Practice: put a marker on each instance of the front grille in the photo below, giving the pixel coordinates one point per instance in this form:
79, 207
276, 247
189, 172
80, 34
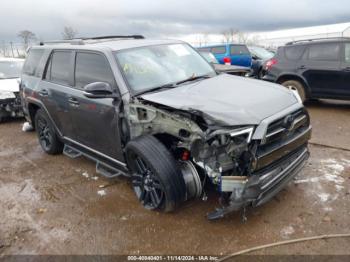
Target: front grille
283, 136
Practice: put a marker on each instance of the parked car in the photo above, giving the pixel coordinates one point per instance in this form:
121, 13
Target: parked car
228, 69
259, 56
232, 54
318, 68
157, 112
10, 102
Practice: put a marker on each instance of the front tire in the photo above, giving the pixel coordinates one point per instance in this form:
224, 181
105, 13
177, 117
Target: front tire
156, 179
297, 86
47, 136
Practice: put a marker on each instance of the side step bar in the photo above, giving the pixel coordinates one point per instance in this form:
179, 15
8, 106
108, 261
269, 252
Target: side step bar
101, 168
71, 152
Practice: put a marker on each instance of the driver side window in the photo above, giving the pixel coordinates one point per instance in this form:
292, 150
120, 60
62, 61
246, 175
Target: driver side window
90, 68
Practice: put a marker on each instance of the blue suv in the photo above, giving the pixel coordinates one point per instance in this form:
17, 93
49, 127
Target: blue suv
234, 54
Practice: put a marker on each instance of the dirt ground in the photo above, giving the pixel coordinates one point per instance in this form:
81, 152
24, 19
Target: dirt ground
56, 205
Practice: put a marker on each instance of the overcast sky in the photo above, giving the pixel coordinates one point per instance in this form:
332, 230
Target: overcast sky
161, 18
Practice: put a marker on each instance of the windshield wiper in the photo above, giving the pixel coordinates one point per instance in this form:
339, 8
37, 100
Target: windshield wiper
192, 78
156, 88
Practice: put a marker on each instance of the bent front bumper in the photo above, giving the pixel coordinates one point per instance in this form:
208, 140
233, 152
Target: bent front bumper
260, 187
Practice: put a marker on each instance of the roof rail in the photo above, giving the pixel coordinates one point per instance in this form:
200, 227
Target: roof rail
318, 39
81, 41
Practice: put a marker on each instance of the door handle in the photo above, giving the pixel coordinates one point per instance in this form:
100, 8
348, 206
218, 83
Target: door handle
346, 69
43, 92
302, 67
73, 101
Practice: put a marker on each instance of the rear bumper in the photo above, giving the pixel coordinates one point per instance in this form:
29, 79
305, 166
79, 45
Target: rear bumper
260, 187
269, 78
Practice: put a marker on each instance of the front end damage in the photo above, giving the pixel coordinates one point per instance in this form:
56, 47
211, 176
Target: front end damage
10, 105
245, 165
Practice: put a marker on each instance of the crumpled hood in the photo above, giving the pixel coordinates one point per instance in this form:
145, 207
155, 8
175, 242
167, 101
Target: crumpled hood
230, 100
9, 85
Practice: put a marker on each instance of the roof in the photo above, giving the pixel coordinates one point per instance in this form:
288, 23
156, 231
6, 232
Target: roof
113, 45
11, 59
320, 40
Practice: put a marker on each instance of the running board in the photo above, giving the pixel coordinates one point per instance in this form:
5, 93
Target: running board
71, 152
108, 171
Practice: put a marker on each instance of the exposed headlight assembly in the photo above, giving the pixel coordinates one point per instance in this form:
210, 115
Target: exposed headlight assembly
7, 95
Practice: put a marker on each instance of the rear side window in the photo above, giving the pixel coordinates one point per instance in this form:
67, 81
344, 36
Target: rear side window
347, 53
58, 70
31, 65
324, 52
218, 50
204, 49
92, 68
294, 52
239, 50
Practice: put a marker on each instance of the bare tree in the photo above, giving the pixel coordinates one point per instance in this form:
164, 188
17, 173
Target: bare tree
69, 33
229, 35
27, 36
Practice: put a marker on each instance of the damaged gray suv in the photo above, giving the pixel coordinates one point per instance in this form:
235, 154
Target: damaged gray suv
157, 112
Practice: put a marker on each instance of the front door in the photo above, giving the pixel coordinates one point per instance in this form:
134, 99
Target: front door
95, 121
345, 86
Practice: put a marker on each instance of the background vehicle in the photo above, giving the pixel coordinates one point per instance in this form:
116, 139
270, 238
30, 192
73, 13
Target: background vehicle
229, 69
233, 54
318, 68
10, 103
156, 111
259, 56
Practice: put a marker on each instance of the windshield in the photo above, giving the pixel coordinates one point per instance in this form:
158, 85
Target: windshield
146, 68
10, 69
261, 52
209, 57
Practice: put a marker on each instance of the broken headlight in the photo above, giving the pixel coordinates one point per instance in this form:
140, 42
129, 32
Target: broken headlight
224, 152
7, 95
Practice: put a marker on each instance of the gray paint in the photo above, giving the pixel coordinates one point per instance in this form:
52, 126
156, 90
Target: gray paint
232, 100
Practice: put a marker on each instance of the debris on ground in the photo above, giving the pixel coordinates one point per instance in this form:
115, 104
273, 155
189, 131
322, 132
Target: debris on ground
85, 174
27, 127
101, 192
41, 210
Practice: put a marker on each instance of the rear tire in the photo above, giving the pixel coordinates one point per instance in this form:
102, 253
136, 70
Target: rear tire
156, 178
47, 136
296, 85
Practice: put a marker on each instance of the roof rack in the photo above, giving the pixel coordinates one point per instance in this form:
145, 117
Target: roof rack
318, 39
82, 40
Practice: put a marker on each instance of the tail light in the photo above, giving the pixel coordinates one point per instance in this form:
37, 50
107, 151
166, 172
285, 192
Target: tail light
269, 64
227, 60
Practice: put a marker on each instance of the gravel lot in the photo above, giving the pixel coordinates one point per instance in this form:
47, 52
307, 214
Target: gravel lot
56, 205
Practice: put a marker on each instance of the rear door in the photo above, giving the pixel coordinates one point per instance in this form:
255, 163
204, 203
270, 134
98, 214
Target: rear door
345, 86
219, 52
320, 66
95, 121
55, 88
240, 55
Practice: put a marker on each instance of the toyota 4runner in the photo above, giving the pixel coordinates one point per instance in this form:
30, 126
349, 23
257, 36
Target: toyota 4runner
157, 112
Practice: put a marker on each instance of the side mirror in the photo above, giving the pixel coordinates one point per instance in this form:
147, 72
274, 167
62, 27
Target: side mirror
99, 90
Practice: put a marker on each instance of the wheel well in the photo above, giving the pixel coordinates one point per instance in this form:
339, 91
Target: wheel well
166, 139
284, 78
33, 108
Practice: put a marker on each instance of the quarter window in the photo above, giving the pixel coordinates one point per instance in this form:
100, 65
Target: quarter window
58, 70
218, 50
324, 52
347, 53
294, 52
31, 65
92, 68
239, 50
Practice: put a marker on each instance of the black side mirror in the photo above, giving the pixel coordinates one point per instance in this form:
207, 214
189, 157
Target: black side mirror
99, 90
